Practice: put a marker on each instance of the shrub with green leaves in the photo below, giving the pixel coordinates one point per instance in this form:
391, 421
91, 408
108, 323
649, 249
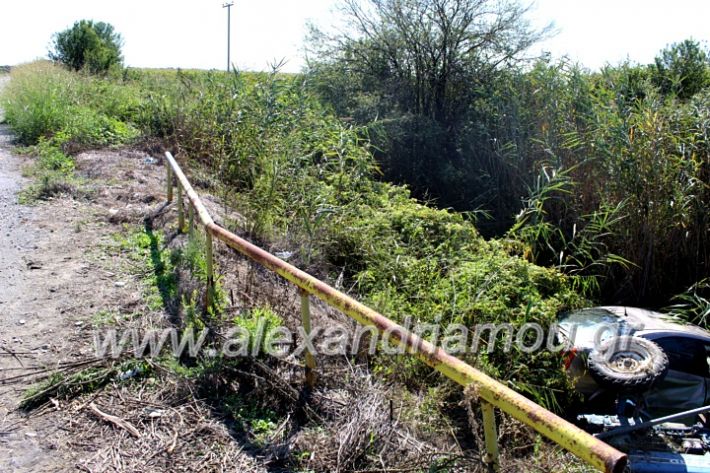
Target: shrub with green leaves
682, 69
308, 181
259, 325
89, 45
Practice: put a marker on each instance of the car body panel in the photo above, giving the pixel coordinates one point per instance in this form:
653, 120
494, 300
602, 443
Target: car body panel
623, 321
677, 391
665, 462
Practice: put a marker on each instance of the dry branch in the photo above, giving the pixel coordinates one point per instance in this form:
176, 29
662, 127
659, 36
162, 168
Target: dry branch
117, 421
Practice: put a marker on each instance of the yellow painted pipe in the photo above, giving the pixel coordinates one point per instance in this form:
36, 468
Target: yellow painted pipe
490, 432
588, 448
202, 213
592, 450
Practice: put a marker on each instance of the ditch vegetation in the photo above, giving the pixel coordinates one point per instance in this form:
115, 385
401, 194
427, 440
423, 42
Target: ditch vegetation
615, 180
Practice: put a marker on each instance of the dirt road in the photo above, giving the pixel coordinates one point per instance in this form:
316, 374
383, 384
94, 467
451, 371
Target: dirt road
28, 323
20, 448
48, 289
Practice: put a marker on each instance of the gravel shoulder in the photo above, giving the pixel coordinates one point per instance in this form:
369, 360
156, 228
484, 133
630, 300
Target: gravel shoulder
33, 324
52, 280
29, 327
55, 276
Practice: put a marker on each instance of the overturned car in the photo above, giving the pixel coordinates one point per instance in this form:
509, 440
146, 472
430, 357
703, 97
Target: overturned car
645, 379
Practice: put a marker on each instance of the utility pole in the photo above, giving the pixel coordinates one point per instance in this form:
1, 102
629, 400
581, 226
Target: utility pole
228, 6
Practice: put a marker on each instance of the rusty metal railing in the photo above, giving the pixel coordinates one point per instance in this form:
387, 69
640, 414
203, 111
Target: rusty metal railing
490, 392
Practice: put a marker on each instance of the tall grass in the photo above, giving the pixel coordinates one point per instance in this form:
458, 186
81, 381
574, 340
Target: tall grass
46, 101
59, 113
615, 177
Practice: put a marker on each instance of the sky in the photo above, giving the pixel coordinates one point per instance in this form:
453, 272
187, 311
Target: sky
193, 33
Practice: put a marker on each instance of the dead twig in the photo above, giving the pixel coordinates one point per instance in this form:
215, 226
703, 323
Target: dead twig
13, 354
117, 421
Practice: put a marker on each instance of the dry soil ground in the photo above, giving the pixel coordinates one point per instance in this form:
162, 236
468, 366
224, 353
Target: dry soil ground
55, 276
52, 280
41, 272
39, 258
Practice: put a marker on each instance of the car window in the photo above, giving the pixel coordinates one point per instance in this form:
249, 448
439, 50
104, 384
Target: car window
685, 354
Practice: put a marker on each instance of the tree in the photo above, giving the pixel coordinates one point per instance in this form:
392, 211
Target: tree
429, 53
90, 45
418, 66
682, 69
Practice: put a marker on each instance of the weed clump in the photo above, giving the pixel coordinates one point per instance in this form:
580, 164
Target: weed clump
57, 113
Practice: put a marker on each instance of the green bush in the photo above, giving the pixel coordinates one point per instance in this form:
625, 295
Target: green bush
260, 324
93, 46
629, 221
682, 69
306, 180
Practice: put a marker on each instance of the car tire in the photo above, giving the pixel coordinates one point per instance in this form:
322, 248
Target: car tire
627, 363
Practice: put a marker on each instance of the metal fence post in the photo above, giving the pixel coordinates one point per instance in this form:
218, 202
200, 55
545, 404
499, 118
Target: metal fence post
191, 219
181, 211
306, 321
210, 267
170, 182
490, 433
